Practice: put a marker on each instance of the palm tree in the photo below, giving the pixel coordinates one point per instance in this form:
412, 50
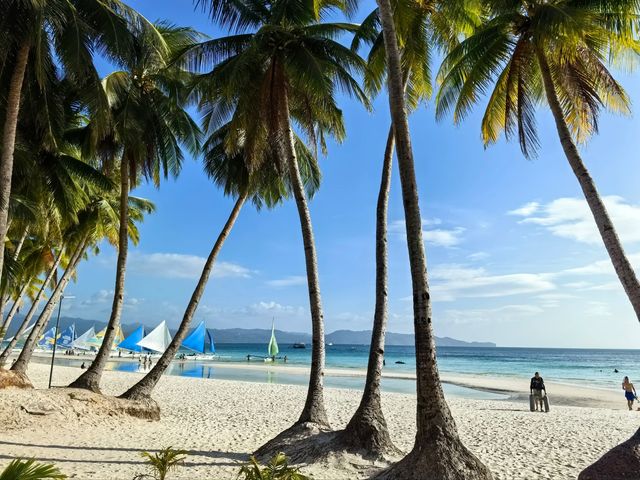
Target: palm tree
36, 32
149, 126
284, 65
437, 448
555, 51
98, 221
264, 186
422, 27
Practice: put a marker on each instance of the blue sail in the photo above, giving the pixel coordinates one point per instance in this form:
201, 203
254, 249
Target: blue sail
212, 347
196, 339
67, 337
46, 340
131, 342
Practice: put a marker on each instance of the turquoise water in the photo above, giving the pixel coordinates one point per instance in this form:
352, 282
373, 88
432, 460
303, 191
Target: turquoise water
589, 367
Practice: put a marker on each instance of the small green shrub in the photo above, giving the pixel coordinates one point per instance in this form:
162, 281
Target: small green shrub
162, 463
277, 469
30, 470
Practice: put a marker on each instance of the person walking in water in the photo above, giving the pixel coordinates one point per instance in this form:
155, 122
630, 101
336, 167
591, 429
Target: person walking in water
537, 387
629, 392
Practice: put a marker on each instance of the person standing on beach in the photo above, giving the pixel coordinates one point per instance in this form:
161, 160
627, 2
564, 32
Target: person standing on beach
536, 387
629, 392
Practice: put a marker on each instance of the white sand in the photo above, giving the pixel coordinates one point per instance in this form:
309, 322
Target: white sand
221, 422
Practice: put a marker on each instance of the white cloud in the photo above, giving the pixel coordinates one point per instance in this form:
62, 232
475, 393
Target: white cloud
176, 265
571, 218
289, 281
457, 281
441, 237
478, 256
600, 267
491, 315
526, 210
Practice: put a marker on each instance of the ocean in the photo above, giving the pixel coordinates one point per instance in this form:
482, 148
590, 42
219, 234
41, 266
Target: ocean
587, 367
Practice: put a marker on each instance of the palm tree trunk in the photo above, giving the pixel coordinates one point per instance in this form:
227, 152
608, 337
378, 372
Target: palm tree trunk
367, 430
27, 351
437, 449
314, 410
145, 386
32, 310
90, 379
9, 140
13, 311
3, 296
619, 259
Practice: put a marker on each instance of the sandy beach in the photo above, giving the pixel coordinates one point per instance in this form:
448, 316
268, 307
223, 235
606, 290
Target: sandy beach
220, 422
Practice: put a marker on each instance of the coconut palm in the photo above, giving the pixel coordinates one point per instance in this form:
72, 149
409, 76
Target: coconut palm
263, 186
557, 51
35, 33
422, 28
283, 66
437, 448
149, 127
98, 221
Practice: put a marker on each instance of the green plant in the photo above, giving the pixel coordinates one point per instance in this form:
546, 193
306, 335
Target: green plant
277, 469
161, 463
30, 470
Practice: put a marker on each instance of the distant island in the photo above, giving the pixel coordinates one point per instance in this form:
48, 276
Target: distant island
261, 335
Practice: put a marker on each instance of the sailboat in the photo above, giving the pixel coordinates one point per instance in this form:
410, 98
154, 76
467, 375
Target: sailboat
97, 339
158, 339
82, 341
197, 340
131, 342
67, 337
46, 340
272, 349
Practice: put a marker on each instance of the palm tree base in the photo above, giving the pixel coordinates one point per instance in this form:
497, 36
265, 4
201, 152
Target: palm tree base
87, 381
9, 379
367, 435
621, 462
302, 443
441, 457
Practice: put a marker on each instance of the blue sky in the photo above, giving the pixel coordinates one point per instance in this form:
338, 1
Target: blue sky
513, 254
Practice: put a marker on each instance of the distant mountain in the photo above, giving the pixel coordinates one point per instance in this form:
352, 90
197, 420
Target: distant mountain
262, 335
363, 337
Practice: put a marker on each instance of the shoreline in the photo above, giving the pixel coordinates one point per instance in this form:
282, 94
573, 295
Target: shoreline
515, 388
220, 422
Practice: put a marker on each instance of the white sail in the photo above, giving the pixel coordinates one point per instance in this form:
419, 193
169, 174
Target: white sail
25, 334
82, 342
158, 339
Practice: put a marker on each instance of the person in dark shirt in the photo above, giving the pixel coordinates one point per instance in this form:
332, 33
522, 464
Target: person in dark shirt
537, 387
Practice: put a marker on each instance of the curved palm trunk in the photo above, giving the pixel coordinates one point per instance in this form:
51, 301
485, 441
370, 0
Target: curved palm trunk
367, 430
13, 310
144, 387
3, 296
314, 410
29, 346
438, 452
90, 379
32, 310
9, 140
620, 262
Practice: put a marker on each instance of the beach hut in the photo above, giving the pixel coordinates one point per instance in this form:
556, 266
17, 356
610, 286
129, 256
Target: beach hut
158, 339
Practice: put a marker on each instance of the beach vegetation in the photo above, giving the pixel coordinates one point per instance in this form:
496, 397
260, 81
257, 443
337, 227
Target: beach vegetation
283, 67
149, 127
276, 469
20, 469
161, 463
